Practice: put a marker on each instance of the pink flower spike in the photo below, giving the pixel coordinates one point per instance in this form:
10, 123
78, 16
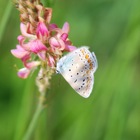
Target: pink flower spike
65, 27
37, 46
42, 30
23, 73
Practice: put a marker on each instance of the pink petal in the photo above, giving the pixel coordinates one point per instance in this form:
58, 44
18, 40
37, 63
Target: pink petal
42, 55
23, 73
21, 39
20, 48
23, 29
62, 44
52, 26
42, 30
25, 58
65, 27
51, 61
57, 43
36, 46
70, 48
32, 64
53, 42
64, 36
19, 52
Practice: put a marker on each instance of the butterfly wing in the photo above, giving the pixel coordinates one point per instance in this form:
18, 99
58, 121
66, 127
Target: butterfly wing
77, 68
95, 62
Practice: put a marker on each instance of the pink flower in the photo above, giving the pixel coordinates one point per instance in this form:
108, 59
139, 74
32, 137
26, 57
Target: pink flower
40, 43
36, 46
57, 43
23, 73
42, 31
60, 39
46, 44
20, 52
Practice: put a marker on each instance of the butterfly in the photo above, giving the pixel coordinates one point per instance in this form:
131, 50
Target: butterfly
78, 68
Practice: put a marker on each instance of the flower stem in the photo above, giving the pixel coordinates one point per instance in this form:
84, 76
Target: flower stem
36, 115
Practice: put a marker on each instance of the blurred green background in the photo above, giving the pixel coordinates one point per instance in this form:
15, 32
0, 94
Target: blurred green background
112, 30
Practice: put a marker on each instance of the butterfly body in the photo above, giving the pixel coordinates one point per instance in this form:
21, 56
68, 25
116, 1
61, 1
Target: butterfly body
78, 68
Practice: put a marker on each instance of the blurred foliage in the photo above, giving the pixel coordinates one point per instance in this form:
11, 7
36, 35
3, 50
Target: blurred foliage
112, 30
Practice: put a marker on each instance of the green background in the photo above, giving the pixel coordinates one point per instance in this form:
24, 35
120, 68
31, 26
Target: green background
112, 30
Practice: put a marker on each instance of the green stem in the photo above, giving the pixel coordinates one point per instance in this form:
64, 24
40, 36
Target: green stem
37, 113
